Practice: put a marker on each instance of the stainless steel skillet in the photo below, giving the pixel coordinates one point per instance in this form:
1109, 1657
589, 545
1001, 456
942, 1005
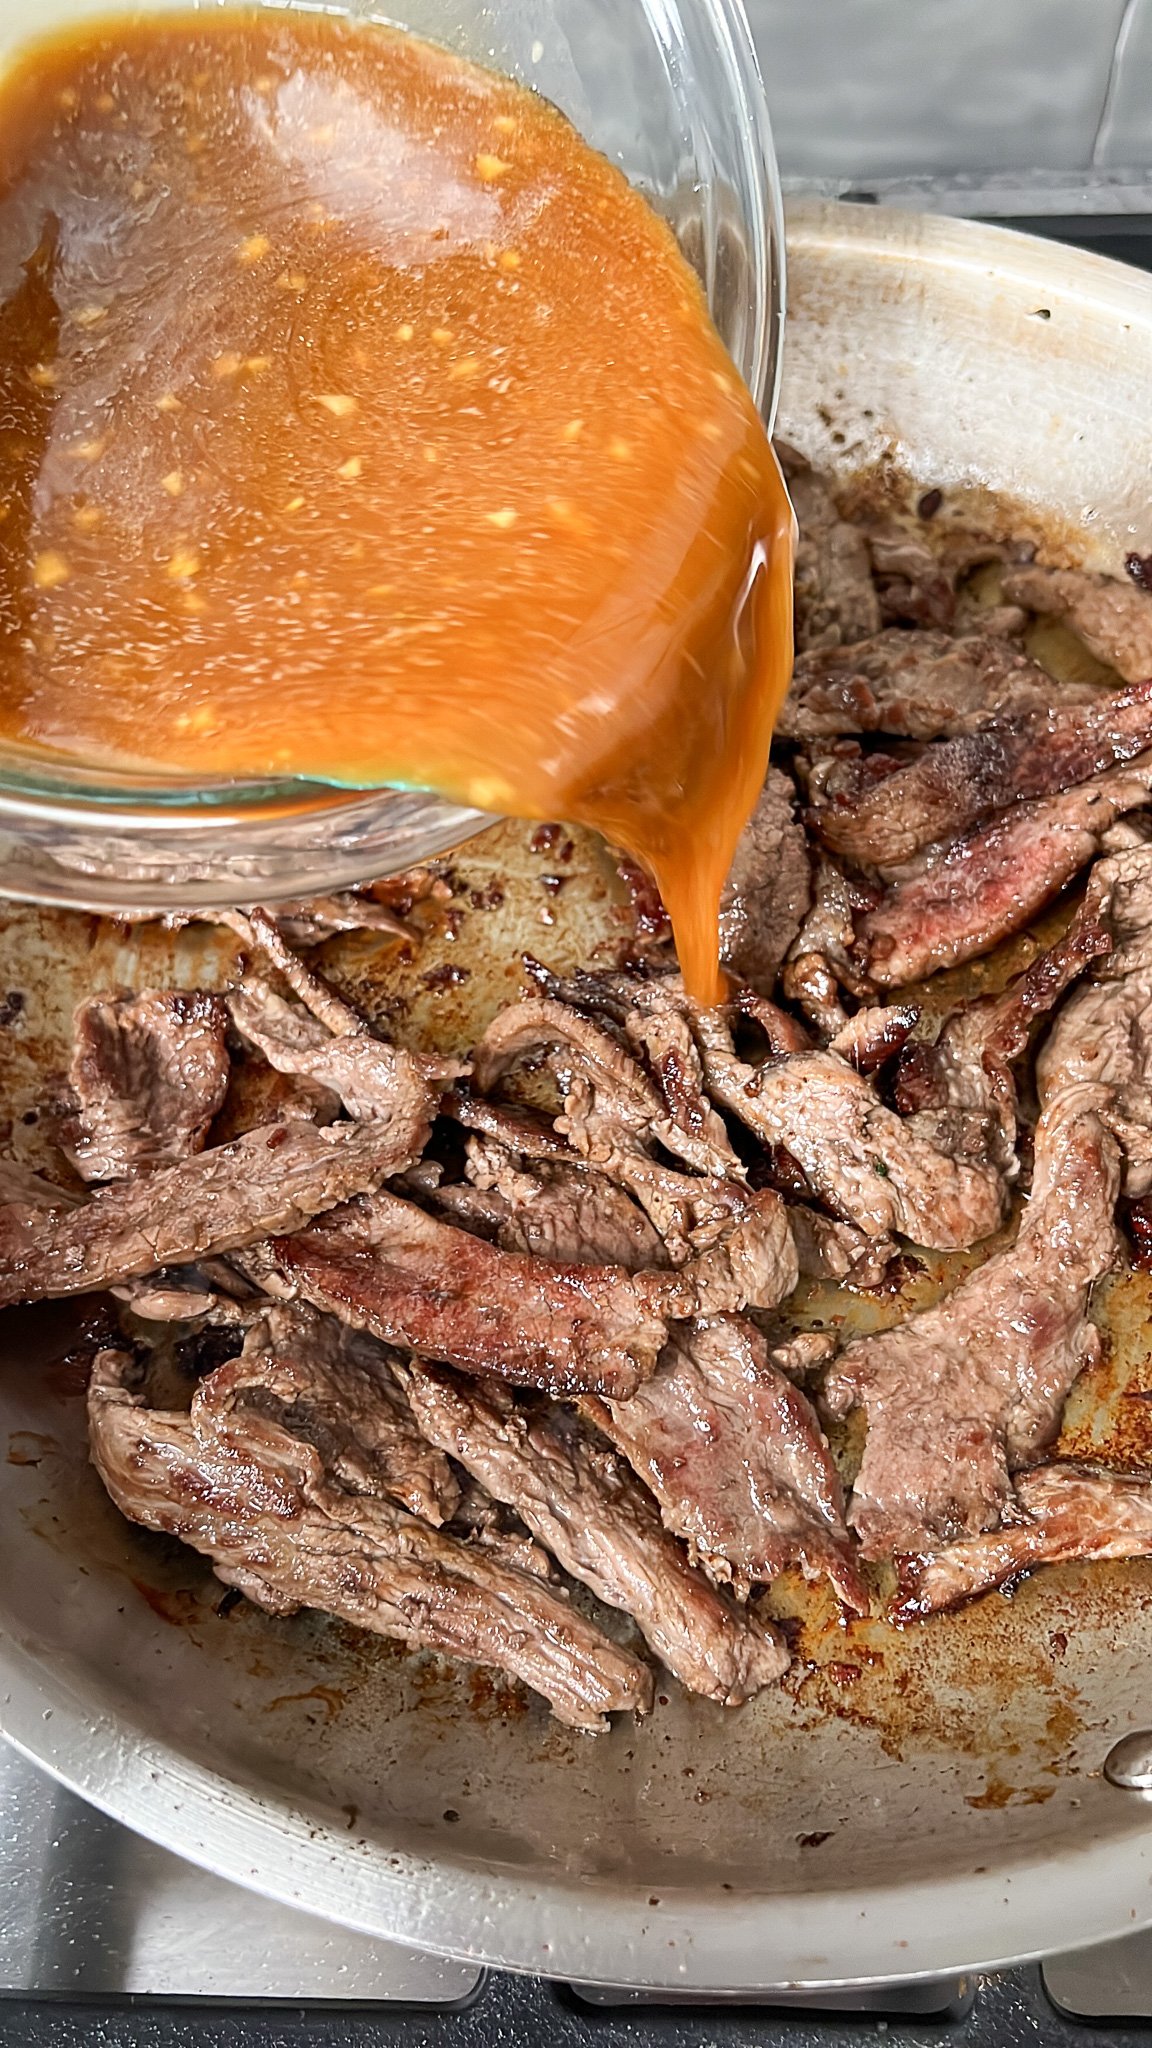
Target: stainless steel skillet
911, 1803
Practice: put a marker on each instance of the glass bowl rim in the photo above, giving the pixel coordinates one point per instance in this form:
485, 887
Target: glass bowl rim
32, 791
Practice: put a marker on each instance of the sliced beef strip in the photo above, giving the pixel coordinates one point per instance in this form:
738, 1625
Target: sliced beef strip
1113, 618
922, 685
336, 1389
661, 1102
148, 1073
346, 910
19, 1184
814, 986
956, 901
829, 1249
1103, 1035
493, 1527
257, 1095
918, 569
657, 1027
960, 1396
769, 888
914, 586
583, 1503
259, 932
955, 784
736, 1458
442, 1293
732, 1247
413, 1281
784, 1032
690, 1214
823, 959
649, 1014
856, 1154
555, 1211
969, 1070
275, 1179
258, 1501
753, 1265
835, 597
372, 1078
542, 1199
524, 1132
875, 1035
1060, 1513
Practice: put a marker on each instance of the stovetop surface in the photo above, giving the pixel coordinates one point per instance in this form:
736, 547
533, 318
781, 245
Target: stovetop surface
109, 1942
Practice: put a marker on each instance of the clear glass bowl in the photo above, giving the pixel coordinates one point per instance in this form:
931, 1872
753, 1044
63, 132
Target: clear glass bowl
670, 90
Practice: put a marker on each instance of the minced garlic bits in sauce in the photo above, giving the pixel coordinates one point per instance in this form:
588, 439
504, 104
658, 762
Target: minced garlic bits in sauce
361, 423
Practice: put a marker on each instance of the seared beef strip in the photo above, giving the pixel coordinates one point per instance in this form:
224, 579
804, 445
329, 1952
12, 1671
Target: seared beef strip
822, 961
579, 1216
690, 1214
658, 1029
372, 1078
493, 1527
346, 910
335, 1388
769, 888
1113, 618
556, 1211
923, 685
965, 1393
874, 1035
918, 578
968, 1072
736, 1458
648, 1013
784, 1032
752, 1265
1103, 1035
258, 1501
18, 1184
149, 1073
273, 1179
582, 1502
828, 1249
913, 584
856, 1153
664, 1104
954, 784
956, 901
815, 987
732, 1248
259, 931
413, 1281
835, 598
1060, 1513
257, 1094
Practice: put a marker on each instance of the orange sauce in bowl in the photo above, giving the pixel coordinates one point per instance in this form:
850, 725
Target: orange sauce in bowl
359, 422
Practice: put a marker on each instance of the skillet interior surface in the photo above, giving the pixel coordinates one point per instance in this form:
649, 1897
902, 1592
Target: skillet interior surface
909, 1801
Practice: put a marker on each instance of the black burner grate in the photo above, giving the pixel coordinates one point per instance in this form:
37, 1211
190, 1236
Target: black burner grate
1009, 2011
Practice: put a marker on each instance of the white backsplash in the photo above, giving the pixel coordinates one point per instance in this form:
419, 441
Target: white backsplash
870, 91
